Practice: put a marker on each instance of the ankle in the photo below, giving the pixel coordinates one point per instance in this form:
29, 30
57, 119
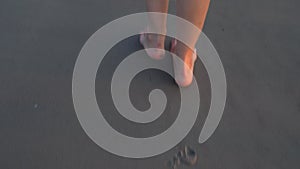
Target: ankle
183, 51
156, 38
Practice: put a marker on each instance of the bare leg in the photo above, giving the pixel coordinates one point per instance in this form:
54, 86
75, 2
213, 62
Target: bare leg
156, 24
195, 12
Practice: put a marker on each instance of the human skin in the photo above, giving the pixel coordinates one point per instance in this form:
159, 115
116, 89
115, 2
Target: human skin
192, 10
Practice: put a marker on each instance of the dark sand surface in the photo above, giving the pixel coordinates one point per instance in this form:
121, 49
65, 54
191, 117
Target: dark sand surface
258, 42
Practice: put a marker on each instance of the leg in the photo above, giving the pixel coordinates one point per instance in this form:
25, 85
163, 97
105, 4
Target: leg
155, 24
195, 12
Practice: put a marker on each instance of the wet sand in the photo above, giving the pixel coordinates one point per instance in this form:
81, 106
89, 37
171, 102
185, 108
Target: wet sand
258, 43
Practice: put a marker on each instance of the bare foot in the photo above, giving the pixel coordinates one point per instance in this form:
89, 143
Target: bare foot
154, 45
183, 69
